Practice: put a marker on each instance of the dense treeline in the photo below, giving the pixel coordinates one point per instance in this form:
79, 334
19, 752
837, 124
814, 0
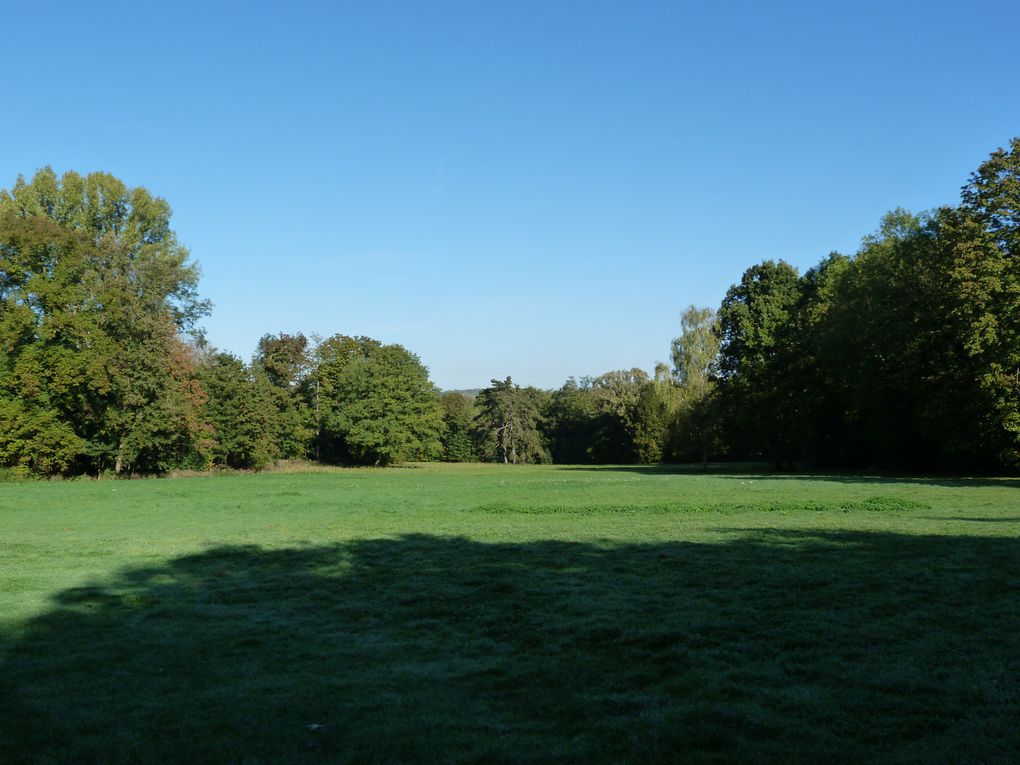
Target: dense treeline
905, 355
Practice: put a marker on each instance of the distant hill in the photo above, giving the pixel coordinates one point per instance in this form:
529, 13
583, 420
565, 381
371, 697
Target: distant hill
469, 392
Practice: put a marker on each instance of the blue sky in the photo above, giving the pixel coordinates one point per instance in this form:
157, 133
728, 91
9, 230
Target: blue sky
533, 189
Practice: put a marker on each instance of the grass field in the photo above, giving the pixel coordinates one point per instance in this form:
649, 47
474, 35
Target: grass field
510, 614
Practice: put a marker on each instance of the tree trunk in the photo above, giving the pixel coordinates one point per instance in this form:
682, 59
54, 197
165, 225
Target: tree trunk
118, 463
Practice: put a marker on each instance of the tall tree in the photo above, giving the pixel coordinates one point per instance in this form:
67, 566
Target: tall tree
50, 363
284, 358
332, 359
95, 294
695, 355
821, 370
986, 283
893, 333
378, 403
755, 329
695, 352
284, 362
508, 421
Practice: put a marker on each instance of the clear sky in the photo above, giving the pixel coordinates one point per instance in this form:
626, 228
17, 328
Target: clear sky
534, 189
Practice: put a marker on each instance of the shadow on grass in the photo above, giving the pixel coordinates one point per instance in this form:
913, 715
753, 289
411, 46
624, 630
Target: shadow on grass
767, 646
974, 519
949, 481
763, 472
713, 468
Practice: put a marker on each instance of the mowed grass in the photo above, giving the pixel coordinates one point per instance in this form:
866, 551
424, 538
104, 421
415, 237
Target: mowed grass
510, 614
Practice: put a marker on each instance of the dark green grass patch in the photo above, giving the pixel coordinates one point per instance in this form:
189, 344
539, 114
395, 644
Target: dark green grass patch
871, 504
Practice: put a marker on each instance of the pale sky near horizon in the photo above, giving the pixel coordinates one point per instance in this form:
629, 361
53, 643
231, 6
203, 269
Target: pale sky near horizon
534, 189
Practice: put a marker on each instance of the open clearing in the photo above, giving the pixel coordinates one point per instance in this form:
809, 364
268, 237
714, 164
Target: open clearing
488, 613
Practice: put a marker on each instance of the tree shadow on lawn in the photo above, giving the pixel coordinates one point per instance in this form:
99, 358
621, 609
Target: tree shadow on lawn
767, 646
1007, 519
685, 468
762, 472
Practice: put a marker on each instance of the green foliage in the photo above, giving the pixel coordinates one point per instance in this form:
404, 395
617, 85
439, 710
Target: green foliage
14, 475
695, 352
284, 358
986, 289
692, 407
619, 417
94, 290
282, 368
907, 355
507, 426
570, 422
891, 345
820, 369
755, 357
241, 408
34, 441
378, 404
655, 414
458, 416
617, 396
294, 432
130, 229
753, 318
153, 423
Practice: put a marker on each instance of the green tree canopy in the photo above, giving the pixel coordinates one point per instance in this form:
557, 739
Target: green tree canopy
508, 422
241, 411
570, 423
378, 404
695, 353
693, 416
754, 353
95, 291
284, 358
458, 416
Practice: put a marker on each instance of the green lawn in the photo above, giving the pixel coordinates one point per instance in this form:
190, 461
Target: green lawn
524, 614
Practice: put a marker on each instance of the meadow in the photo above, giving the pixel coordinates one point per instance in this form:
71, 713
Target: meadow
486, 613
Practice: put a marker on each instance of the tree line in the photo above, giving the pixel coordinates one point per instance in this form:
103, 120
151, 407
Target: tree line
904, 355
